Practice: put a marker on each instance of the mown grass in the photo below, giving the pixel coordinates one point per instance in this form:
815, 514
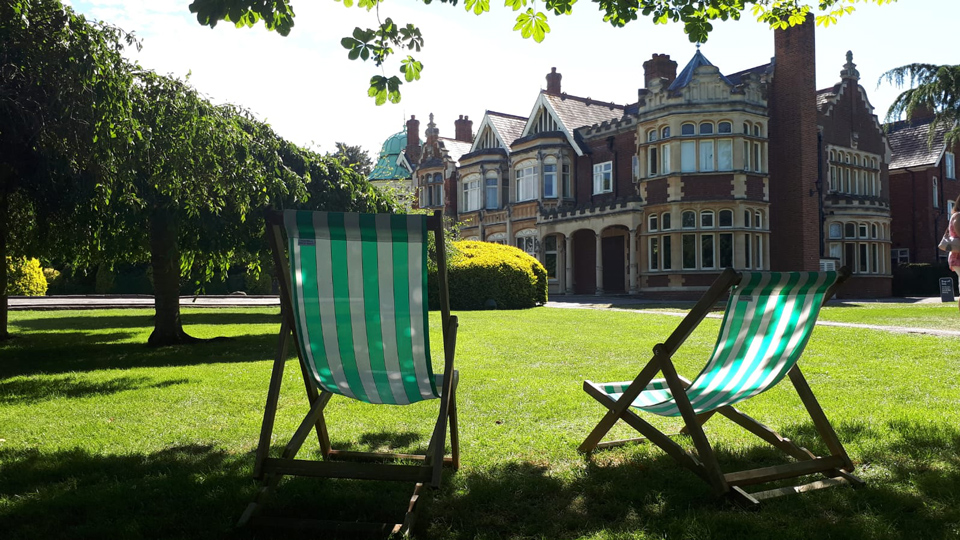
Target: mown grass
937, 316
103, 437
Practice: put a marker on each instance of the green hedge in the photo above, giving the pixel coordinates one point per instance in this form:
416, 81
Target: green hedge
920, 279
484, 275
25, 277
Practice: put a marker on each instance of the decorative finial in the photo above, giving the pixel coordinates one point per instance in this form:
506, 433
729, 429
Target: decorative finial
698, 45
850, 69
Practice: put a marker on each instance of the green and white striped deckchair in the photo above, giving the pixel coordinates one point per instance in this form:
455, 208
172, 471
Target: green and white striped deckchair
354, 294
768, 320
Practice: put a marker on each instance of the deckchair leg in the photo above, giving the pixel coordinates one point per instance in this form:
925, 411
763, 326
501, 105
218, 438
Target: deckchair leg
819, 418
273, 395
454, 431
270, 481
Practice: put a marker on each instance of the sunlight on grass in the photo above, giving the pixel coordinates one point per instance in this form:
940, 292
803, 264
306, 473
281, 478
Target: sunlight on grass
101, 436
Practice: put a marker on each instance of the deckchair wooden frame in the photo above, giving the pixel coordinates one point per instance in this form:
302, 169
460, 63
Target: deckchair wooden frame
836, 467
355, 465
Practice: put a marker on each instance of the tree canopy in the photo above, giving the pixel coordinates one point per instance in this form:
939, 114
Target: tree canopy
379, 44
931, 88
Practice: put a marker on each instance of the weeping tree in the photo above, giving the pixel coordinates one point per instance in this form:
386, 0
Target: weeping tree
64, 107
931, 88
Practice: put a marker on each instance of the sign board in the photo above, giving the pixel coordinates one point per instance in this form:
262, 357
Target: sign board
946, 289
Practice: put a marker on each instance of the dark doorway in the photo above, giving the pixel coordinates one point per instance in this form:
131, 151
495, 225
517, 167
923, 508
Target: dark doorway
614, 273
584, 262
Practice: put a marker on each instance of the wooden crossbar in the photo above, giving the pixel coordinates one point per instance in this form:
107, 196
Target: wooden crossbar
381, 456
346, 469
778, 472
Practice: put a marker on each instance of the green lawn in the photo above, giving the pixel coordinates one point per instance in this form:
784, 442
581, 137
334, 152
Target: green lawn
941, 316
102, 437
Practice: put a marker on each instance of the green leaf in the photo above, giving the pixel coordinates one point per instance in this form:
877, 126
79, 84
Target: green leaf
411, 69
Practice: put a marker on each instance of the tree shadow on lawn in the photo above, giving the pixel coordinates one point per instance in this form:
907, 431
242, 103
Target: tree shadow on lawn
60, 352
199, 492
137, 319
27, 391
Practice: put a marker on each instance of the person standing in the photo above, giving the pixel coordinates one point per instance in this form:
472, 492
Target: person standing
951, 240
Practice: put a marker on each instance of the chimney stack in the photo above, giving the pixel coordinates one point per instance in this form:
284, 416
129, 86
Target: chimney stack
553, 82
659, 67
795, 235
463, 129
413, 140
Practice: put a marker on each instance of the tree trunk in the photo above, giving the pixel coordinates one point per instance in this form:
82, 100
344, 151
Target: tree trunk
4, 218
165, 260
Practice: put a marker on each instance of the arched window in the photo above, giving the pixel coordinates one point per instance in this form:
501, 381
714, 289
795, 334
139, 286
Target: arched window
873, 230
706, 219
665, 132
758, 219
688, 220
725, 218
849, 230
746, 219
651, 135
652, 223
665, 221
746, 128
833, 155
706, 128
724, 127
756, 130
687, 129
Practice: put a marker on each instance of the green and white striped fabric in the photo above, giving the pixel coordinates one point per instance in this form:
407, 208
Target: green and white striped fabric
766, 325
360, 303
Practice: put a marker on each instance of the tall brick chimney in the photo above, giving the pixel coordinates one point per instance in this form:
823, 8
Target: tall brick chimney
795, 226
660, 66
413, 140
463, 129
553, 82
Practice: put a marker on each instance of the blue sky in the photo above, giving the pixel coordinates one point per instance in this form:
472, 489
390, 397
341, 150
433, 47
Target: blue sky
305, 86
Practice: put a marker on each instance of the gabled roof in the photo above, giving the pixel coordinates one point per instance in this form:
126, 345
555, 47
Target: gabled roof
908, 142
505, 127
737, 77
685, 76
825, 96
572, 112
455, 148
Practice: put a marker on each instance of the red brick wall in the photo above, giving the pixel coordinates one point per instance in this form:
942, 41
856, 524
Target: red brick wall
915, 223
794, 214
657, 191
707, 188
755, 190
618, 148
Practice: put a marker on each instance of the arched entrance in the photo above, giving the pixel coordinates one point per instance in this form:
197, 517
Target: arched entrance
584, 262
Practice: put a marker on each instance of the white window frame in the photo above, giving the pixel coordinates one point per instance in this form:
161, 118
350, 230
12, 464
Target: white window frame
688, 156
471, 193
550, 179
491, 202
950, 169
665, 159
707, 155
725, 155
603, 178
527, 180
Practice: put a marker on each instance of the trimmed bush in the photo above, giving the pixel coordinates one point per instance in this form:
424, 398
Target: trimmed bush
25, 277
484, 275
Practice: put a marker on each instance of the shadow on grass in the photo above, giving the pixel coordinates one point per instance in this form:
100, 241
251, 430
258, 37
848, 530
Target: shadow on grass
137, 319
199, 491
26, 391
63, 352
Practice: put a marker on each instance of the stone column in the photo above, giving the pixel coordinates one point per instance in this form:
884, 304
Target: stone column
632, 238
599, 266
568, 263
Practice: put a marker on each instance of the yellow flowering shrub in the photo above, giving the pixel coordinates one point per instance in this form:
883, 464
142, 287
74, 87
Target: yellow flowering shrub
25, 277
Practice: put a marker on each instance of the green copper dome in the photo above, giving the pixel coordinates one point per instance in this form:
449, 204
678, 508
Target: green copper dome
388, 162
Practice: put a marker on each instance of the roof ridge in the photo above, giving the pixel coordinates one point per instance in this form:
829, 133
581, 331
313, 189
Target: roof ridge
586, 100
506, 115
